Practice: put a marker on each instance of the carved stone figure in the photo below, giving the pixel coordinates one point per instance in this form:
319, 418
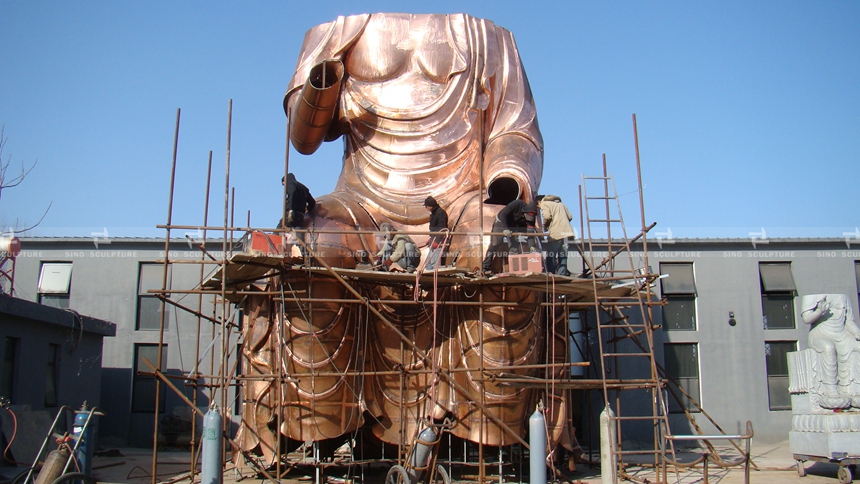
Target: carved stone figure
427, 105
835, 336
824, 380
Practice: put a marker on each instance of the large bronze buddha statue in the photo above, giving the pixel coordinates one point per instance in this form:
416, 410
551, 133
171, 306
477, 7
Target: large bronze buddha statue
426, 105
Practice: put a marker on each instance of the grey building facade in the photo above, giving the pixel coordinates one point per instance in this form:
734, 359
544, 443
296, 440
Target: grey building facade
110, 279
51, 357
731, 315
729, 318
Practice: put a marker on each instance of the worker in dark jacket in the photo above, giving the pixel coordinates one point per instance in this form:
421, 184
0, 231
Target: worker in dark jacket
298, 202
438, 223
517, 216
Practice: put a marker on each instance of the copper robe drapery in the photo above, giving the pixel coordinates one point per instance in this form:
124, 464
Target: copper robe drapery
426, 105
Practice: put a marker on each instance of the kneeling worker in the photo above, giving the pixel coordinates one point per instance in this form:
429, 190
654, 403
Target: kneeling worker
398, 254
517, 216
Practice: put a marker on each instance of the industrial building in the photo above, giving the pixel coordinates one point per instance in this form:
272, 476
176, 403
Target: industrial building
728, 316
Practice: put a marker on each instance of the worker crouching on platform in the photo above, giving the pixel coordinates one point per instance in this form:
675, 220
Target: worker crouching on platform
399, 253
299, 201
517, 217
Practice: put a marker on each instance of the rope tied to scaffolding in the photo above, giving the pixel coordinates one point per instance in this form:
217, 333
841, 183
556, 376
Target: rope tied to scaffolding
416, 295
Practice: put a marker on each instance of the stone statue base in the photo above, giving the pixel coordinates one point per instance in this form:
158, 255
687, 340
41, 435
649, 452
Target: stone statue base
815, 429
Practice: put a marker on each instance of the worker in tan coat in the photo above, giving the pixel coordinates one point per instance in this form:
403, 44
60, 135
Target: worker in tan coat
560, 235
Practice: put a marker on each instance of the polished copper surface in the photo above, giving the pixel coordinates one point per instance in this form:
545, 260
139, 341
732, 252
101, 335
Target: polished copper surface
429, 102
316, 108
427, 105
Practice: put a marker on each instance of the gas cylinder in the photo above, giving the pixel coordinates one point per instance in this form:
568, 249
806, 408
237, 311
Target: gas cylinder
422, 453
210, 465
83, 432
53, 467
537, 447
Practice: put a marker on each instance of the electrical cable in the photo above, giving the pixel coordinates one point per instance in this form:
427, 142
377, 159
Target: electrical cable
14, 434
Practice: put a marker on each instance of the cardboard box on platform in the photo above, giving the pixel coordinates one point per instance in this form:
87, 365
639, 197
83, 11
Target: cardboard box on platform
525, 263
259, 243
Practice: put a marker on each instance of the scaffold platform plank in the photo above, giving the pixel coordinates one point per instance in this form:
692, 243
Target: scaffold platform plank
243, 269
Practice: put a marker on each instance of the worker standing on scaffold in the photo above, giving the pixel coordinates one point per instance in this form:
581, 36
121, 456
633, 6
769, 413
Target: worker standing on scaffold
556, 219
438, 223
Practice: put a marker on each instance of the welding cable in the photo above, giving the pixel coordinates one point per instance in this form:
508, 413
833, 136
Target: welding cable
14, 433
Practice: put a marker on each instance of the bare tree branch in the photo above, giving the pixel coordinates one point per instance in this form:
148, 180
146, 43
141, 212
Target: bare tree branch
21, 231
14, 182
6, 182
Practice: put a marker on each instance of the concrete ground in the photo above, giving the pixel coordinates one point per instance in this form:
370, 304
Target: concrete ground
775, 466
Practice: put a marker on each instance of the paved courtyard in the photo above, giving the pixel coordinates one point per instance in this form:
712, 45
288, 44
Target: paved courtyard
774, 462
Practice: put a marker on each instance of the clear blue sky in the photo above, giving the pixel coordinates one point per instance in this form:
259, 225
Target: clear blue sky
748, 112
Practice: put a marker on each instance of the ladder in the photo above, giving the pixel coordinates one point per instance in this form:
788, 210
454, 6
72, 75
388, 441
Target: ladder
628, 371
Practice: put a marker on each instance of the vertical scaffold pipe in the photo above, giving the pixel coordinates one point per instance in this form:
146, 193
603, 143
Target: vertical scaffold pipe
537, 447
608, 473
210, 465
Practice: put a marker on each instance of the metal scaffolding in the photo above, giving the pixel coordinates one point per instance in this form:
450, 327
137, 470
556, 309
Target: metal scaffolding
611, 301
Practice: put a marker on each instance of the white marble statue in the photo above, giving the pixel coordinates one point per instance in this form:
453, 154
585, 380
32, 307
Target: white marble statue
835, 336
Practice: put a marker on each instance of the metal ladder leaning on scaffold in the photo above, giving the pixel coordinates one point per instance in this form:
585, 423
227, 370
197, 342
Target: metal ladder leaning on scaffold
626, 344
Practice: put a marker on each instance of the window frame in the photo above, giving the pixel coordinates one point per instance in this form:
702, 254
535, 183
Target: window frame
52, 376
58, 297
857, 277
143, 386
777, 381
146, 299
776, 290
10, 368
685, 382
678, 295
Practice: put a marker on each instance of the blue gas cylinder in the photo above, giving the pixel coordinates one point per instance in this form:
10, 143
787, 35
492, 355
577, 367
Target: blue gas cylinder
83, 432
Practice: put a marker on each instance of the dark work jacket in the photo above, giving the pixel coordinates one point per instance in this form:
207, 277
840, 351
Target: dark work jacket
298, 196
513, 218
438, 222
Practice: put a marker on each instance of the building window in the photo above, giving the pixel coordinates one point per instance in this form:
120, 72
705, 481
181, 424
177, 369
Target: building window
776, 358
143, 386
237, 402
681, 361
10, 366
55, 280
857, 276
679, 289
51, 375
777, 295
151, 276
